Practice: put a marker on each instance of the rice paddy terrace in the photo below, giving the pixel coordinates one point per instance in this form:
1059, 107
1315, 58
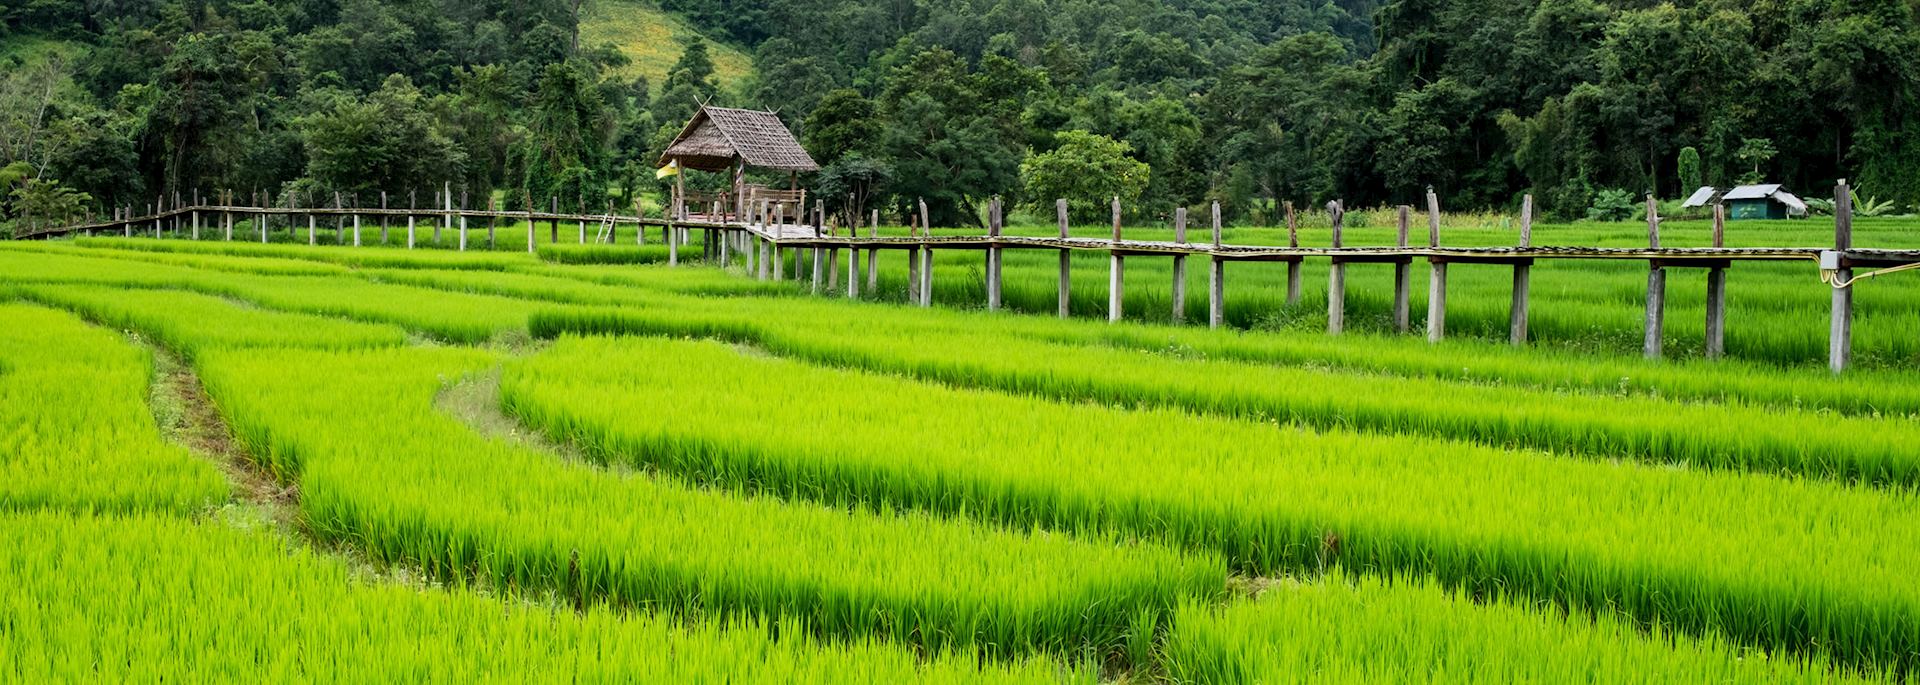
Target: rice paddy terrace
284, 457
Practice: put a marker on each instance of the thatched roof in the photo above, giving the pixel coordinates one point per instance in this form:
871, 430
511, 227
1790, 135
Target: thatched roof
717, 135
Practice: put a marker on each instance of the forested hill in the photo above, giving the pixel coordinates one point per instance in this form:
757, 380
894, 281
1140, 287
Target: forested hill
1240, 100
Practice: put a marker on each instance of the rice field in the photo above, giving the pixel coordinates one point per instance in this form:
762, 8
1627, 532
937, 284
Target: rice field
247, 461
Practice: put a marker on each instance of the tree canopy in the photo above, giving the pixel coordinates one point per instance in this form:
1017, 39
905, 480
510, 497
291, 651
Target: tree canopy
1250, 103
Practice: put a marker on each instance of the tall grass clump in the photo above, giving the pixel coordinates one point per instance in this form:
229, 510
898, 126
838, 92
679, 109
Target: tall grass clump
1785, 563
378, 466
155, 599
75, 428
1411, 630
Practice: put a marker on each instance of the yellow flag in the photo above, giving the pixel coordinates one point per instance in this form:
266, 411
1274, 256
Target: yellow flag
672, 168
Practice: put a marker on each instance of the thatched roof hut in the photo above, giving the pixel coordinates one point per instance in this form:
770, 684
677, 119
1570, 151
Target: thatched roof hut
718, 138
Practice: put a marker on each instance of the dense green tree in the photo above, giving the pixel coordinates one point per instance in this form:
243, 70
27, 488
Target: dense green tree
568, 134
953, 135
1688, 168
1088, 170
387, 142
844, 122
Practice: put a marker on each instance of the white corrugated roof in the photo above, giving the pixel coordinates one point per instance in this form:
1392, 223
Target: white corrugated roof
1701, 197
1756, 192
1794, 205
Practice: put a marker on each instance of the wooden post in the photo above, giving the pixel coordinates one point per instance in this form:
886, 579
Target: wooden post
383, 218
527, 198
926, 277
673, 246
492, 218
1437, 283
1717, 291
1116, 272
1180, 266
1840, 338
1433, 218
926, 225
1294, 267
313, 223
227, 215
196, 223
356, 225
853, 269
1522, 279
1066, 260
1217, 277
873, 255
1719, 225
580, 207
1656, 287
446, 220
463, 220
413, 203
1337, 273
1402, 276
818, 277
993, 255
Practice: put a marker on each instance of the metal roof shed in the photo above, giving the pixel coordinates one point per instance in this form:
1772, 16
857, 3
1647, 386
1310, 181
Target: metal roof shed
1763, 201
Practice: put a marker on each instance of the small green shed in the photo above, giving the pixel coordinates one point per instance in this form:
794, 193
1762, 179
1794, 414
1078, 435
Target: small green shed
1765, 201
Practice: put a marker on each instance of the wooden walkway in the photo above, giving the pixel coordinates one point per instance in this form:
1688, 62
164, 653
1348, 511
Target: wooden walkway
767, 249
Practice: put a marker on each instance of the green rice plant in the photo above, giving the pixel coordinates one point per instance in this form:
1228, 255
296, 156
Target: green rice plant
363, 257
75, 430
1368, 629
269, 266
164, 599
1643, 428
188, 321
596, 253
380, 468
1700, 551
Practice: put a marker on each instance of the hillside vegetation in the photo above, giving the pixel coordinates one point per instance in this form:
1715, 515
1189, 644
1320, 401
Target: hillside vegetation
653, 40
